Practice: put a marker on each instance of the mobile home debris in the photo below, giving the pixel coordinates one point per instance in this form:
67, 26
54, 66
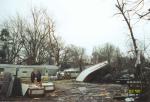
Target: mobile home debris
25, 70
88, 74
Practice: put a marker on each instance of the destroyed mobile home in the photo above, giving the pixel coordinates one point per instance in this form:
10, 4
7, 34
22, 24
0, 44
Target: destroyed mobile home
12, 86
17, 82
89, 74
16, 86
24, 71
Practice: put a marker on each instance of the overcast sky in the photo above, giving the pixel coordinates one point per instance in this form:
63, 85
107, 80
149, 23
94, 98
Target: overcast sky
85, 23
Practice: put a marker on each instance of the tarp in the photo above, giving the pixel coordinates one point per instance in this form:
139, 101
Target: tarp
82, 76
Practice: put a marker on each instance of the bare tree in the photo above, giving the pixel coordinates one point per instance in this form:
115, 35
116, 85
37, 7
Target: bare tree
55, 47
74, 55
65, 58
121, 5
13, 42
105, 52
35, 39
139, 65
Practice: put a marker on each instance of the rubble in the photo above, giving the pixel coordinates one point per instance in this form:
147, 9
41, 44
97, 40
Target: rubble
72, 91
86, 92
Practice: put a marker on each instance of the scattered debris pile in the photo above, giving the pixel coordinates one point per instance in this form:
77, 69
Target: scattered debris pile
72, 91
86, 92
9, 85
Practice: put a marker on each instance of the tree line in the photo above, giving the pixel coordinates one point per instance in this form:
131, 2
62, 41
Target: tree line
34, 41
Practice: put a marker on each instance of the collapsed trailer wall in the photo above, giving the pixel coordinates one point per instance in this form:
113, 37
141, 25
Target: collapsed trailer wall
84, 76
99, 76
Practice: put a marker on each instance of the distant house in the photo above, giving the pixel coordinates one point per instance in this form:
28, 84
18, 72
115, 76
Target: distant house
25, 70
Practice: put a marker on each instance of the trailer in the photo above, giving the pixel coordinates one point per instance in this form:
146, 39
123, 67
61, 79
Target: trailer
24, 71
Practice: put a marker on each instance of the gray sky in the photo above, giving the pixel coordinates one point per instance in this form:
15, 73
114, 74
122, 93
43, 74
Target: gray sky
85, 23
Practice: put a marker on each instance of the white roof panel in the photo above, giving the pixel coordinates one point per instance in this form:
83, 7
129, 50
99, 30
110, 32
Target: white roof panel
89, 70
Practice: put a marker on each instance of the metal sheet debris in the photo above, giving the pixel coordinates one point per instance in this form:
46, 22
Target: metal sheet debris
24, 88
82, 76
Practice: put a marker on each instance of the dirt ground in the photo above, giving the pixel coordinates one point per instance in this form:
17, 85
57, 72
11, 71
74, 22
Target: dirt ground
72, 91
